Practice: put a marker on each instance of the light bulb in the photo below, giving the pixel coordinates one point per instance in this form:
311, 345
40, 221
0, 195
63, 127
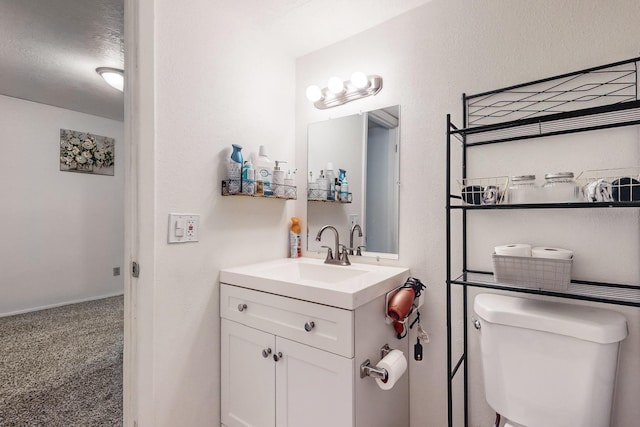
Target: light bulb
360, 80
113, 76
314, 93
335, 85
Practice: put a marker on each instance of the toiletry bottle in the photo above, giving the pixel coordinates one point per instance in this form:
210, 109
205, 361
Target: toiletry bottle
344, 186
290, 185
339, 183
331, 177
234, 169
323, 186
278, 179
263, 172
295, 239
248, 182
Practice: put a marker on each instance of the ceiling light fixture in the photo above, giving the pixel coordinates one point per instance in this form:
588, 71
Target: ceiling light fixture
339, 92
113, 76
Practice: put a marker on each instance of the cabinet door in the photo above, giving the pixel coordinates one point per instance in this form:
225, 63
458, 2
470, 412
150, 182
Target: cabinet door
314, 388
247, 378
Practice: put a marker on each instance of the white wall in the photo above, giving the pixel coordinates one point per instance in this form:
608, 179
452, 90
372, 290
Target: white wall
232, 85
63, 232
208, 78
428, 58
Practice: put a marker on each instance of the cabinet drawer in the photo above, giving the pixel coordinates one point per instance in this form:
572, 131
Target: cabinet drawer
287, 317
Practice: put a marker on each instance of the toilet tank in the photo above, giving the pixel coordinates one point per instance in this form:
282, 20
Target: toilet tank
549, 364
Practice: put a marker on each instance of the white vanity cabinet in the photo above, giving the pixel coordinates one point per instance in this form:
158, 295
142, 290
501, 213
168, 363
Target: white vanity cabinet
270, 380
289, 362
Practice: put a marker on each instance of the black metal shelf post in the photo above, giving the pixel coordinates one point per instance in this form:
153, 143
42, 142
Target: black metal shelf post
601, 97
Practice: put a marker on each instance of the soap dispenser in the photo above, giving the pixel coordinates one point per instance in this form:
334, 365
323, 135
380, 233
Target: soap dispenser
278, 179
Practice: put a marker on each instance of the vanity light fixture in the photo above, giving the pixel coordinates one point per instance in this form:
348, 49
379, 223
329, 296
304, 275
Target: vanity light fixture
113, 76
339, 92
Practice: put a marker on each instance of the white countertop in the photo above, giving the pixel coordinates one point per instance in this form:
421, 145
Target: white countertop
309, 279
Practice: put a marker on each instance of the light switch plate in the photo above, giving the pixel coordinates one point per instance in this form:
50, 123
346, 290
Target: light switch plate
190, 232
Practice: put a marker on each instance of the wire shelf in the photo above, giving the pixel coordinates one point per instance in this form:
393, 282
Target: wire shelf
594, 87
235, 187
578, 289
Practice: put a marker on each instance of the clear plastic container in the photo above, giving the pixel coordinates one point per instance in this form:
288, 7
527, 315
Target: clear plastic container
560, 187
523, 189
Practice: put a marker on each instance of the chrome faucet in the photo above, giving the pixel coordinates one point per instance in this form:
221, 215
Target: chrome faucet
340, 257
353, 229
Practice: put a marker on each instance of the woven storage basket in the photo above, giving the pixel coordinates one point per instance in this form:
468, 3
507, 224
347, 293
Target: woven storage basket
540, 273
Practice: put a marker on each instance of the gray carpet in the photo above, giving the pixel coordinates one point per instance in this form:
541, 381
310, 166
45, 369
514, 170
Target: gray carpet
63, 366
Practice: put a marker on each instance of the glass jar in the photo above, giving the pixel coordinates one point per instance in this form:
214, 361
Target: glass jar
523, 190
560, 187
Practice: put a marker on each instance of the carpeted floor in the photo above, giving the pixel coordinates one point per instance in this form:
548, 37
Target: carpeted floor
63, 366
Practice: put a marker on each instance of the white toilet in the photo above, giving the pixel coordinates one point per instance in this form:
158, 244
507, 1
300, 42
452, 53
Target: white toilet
548, 364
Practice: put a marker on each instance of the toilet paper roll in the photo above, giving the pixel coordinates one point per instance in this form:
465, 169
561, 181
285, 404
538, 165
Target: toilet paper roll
556, 253
514, 249
395, 364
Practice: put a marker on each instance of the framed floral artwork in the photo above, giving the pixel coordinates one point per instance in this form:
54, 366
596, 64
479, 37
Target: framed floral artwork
86, 153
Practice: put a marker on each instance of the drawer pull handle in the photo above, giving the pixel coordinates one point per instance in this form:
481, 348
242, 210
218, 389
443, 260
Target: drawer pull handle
309, 326
266, 352
278, 356
242, 307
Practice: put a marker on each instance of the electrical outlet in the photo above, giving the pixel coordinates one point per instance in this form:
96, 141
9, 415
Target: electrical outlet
184, 228
116, 271
354, 219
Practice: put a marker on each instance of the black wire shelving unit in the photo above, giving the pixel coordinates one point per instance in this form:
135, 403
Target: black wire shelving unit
601, 97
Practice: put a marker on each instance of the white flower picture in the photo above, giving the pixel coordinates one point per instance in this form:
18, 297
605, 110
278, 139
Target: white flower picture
86, 153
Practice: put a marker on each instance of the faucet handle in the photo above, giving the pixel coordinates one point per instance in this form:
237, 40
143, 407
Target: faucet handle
359, 250
344, 255
329, 253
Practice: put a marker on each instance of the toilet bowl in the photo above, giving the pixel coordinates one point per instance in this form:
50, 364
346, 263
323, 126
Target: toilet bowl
548, 364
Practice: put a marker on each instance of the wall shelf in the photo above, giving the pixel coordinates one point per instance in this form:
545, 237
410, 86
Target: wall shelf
290, 192
597, 98
572, 205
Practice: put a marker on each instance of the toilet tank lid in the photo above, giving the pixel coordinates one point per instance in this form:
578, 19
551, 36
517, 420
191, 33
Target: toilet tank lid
583, 322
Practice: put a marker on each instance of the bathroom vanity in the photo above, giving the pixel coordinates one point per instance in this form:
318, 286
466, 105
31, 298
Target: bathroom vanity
294, 333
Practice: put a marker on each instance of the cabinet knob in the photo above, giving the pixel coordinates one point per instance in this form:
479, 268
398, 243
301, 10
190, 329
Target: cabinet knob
278, 356
242, 307
309, 326
266, 352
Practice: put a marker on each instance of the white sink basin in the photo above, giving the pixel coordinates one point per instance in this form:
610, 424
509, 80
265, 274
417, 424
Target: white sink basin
312, 280
306, 271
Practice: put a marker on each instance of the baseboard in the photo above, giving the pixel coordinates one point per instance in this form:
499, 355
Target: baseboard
60, 304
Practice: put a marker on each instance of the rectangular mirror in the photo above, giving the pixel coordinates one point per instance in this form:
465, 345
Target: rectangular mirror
365, 146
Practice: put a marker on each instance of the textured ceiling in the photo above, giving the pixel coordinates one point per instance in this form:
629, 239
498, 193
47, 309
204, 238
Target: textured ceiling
49, 49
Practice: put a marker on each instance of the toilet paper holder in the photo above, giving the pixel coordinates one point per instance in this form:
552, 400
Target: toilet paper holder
366, 370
